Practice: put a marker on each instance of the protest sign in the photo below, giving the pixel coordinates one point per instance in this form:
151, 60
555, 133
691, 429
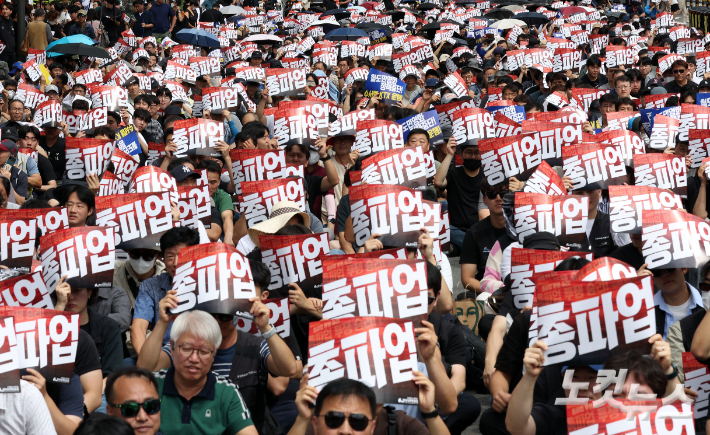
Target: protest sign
600, 164
471, 125
617, 55
673, 239
605, 269
48, 114
663, 134
378, 135
217, 99
526, 265
428, 121
665, 171
394, 212
583, 98
628, 203
554, 137
124, 166
696, 376
95, 118
576, 335
85, 255
405, 167
155, 151
628, 143
86, 156
18, 232
127, 140
203, 66
642, 417
386, 88
294, 259
286, 82
87, 76
258, 197
563, 216
257, 165
446, 112
194, 206
692, 117
114, 98
251, 74
505, 126
197, 136
175, 70
110, 184
456, 84
30, 96
148, 179
295, 126
25, 291
513, 112
46, 341
545, 180
368, 353
10, 367
280, 319
214, 278
138, 219
513, 156
320, 109
381, 51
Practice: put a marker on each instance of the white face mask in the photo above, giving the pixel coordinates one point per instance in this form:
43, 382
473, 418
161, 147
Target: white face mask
140, 266
625, 33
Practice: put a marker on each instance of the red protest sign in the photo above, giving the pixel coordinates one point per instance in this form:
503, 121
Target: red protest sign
617, 55
18, 232
405, 167
295, 126
627, 204
692, 117
673, 418
514, 156
605, 269
205, 66
258, 165
155, 151
369, 352
696, 377
280, 318
506, 126
446, 111
470, 125
175, 70
563, 216
672, 239
87, 156
124, 166
258, 197
197, 136
347, 125
665, 171
214, 278
627, 142
457, 84
378, 135
554, 136
657, 101
217, 99
30, 96
286, 81
609, 317
95, 118
545, 180
138, 219
25, 291
110, 185
395, 212
567, 59
295, 259
10, 368
583, 98
664, 132
320, 109
194, 206
85, 255
375, 287
114, 98
527, 265
596, 163
153, 179
566, 115
48, 114
46, 341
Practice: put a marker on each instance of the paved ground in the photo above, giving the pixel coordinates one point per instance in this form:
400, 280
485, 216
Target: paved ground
484, 399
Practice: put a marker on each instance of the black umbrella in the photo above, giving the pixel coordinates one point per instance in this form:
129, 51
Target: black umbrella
235, 18
339, 14
396, 15
81, 49
212, 16
317, 9
499, 14
532, 18
427, 6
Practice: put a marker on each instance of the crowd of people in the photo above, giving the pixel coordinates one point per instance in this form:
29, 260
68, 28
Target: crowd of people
139, 369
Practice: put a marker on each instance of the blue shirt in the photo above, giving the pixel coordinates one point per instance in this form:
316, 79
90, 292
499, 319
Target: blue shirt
163, 15
696, 300
147, 18
151, 291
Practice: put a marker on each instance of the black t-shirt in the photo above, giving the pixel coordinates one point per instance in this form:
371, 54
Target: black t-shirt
601, 80
510, 356
56, 155
507, 306
46, 171
630, 255
675, 88
451, 342
477, 244
215, 218
463, 193
550, 419
87, 357
313, 183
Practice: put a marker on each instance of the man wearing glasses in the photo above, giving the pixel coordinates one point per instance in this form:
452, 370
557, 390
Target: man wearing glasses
680, 83
80, 28
132, 395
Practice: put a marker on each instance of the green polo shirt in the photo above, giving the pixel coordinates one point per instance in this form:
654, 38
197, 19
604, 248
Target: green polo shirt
217, 409
222, 201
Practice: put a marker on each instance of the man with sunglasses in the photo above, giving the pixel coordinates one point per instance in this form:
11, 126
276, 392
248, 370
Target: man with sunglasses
676, 299
132, 395
680, 83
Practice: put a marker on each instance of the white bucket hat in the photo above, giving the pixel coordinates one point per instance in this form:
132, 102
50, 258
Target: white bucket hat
281, 213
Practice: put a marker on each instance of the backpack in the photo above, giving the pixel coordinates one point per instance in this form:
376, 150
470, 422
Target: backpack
477, 361
391, 420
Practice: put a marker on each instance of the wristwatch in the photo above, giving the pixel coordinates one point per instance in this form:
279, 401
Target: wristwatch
433, 414
325, 159
271, 332
674, 374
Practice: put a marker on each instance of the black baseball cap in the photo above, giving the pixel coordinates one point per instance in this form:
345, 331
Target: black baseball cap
182, 172
542, 240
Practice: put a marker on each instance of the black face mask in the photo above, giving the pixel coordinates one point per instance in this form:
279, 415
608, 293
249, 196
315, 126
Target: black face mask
471, 164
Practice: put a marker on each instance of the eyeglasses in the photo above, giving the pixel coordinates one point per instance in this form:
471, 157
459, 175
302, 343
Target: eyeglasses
130, 410
147, 256
678, 71
223, 317
657, 273
335, 419
17, 109
187, 351
494, 193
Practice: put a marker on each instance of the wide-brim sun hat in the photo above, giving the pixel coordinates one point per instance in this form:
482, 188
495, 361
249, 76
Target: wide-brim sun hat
281, 213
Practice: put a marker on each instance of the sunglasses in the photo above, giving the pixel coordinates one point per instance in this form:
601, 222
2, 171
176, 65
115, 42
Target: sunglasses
678, 71
129, 410
431, 300
335, 419
494, 193
660, 272
223, 317
81, 15
704, 286
147, 256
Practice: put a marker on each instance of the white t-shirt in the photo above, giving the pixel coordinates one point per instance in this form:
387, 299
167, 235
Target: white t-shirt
680, 312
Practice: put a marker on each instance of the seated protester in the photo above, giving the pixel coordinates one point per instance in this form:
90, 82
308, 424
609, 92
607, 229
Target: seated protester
141, 265
593, 77
79, 89
222, 200
480, 238
676, 299
347, 401
80, 104
318, 185
185, 176
153, 130
282, 214
622, 86
132, 396
554, 81
29, 138
80, 203
625, 105
225, 117
528, 416
153, 290
680, 82
463, 188
195, 341
301, 154
599, 238
134, 89
141, 119
512, 90
343, 220
25, 412
55, 147
24, 161
508, 362
9, 157
105, 331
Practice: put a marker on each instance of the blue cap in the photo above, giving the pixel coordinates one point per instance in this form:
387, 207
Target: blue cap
625, 18
430, 83
17, 67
